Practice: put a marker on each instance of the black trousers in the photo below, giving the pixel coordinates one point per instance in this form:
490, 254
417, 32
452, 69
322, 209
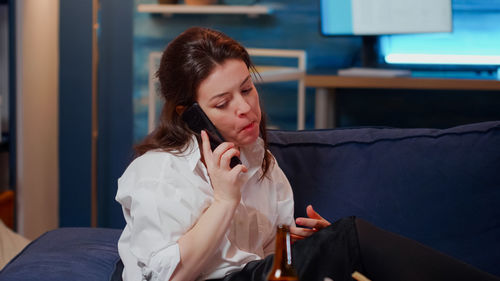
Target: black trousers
352, 244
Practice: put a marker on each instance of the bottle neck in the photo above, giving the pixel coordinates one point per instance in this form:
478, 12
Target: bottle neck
283, 245
282, 266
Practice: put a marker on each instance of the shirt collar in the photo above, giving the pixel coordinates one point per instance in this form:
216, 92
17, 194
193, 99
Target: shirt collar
192, 153
251, 155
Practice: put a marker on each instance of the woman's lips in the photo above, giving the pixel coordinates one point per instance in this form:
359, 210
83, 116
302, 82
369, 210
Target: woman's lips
248, 127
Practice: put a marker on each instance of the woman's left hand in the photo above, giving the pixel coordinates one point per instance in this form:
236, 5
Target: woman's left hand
313, 223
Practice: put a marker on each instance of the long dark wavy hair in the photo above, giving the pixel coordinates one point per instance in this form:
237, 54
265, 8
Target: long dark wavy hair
185, 63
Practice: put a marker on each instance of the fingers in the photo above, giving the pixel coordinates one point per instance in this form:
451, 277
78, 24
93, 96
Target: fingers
237, 170
314, 220
298, 233
312, 213
311, 223
225, 159
222, 154
205, 145
296, 238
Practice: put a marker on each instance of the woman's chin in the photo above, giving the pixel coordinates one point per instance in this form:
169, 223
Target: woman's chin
247, 136
247, 140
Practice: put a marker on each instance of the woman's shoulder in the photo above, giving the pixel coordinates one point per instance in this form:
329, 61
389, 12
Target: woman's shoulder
153, 164
276, 175
152, 160
154, 169
154, 156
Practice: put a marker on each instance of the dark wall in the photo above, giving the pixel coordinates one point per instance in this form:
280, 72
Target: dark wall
114, 108
115, 104
75, 90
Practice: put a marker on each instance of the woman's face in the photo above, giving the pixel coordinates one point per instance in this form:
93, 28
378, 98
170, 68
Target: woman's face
230, 100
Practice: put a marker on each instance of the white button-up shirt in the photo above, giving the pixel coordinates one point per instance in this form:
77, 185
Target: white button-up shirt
163, 195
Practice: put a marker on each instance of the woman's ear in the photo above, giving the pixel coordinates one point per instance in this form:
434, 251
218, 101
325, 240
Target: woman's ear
180, 109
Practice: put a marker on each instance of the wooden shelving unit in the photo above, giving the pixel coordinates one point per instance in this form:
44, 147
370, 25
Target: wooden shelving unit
278, 74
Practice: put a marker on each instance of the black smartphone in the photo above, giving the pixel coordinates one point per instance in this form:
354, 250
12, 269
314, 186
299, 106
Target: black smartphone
197, 120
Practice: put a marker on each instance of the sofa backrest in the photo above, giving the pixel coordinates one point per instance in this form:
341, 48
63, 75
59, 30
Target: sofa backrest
439, 187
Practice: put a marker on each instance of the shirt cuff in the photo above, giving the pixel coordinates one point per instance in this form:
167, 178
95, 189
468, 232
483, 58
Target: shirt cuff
162, 264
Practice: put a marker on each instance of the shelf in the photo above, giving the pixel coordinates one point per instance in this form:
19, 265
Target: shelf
418, 83
251, 10
277, 74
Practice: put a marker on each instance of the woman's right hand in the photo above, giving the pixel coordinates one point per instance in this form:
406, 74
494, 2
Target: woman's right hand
226, 182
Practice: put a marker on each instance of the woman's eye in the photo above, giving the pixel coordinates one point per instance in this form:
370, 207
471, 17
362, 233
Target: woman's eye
246, 91
221, 105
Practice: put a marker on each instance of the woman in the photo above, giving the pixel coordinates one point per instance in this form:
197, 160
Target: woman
191, 216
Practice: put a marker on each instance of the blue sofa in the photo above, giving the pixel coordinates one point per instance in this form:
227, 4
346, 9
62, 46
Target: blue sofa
439, 187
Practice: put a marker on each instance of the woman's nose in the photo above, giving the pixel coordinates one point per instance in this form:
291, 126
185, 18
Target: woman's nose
243, 106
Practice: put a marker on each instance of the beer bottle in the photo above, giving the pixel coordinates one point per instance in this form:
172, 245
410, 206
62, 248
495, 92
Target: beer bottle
282, 265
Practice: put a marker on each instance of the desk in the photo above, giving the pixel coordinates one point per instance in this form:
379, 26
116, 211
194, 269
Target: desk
327, 84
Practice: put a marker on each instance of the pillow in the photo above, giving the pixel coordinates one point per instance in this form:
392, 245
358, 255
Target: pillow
77, 254
11, 244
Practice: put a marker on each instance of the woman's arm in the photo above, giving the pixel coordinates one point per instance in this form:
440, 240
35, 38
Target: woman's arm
200, 242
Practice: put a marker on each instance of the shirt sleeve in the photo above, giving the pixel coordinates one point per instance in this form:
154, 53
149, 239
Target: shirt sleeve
158, 213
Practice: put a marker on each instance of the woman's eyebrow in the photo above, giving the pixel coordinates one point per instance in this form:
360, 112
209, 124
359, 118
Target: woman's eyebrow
225, 93
245, 81
219, 95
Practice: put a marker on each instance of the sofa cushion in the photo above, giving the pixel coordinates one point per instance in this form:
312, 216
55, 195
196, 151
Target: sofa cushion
438, 186
77, 254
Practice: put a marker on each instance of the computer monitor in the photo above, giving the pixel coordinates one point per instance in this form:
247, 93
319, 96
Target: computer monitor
370, 18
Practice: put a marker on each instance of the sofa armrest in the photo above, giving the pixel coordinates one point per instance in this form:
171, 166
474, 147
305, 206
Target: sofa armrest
77, 254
